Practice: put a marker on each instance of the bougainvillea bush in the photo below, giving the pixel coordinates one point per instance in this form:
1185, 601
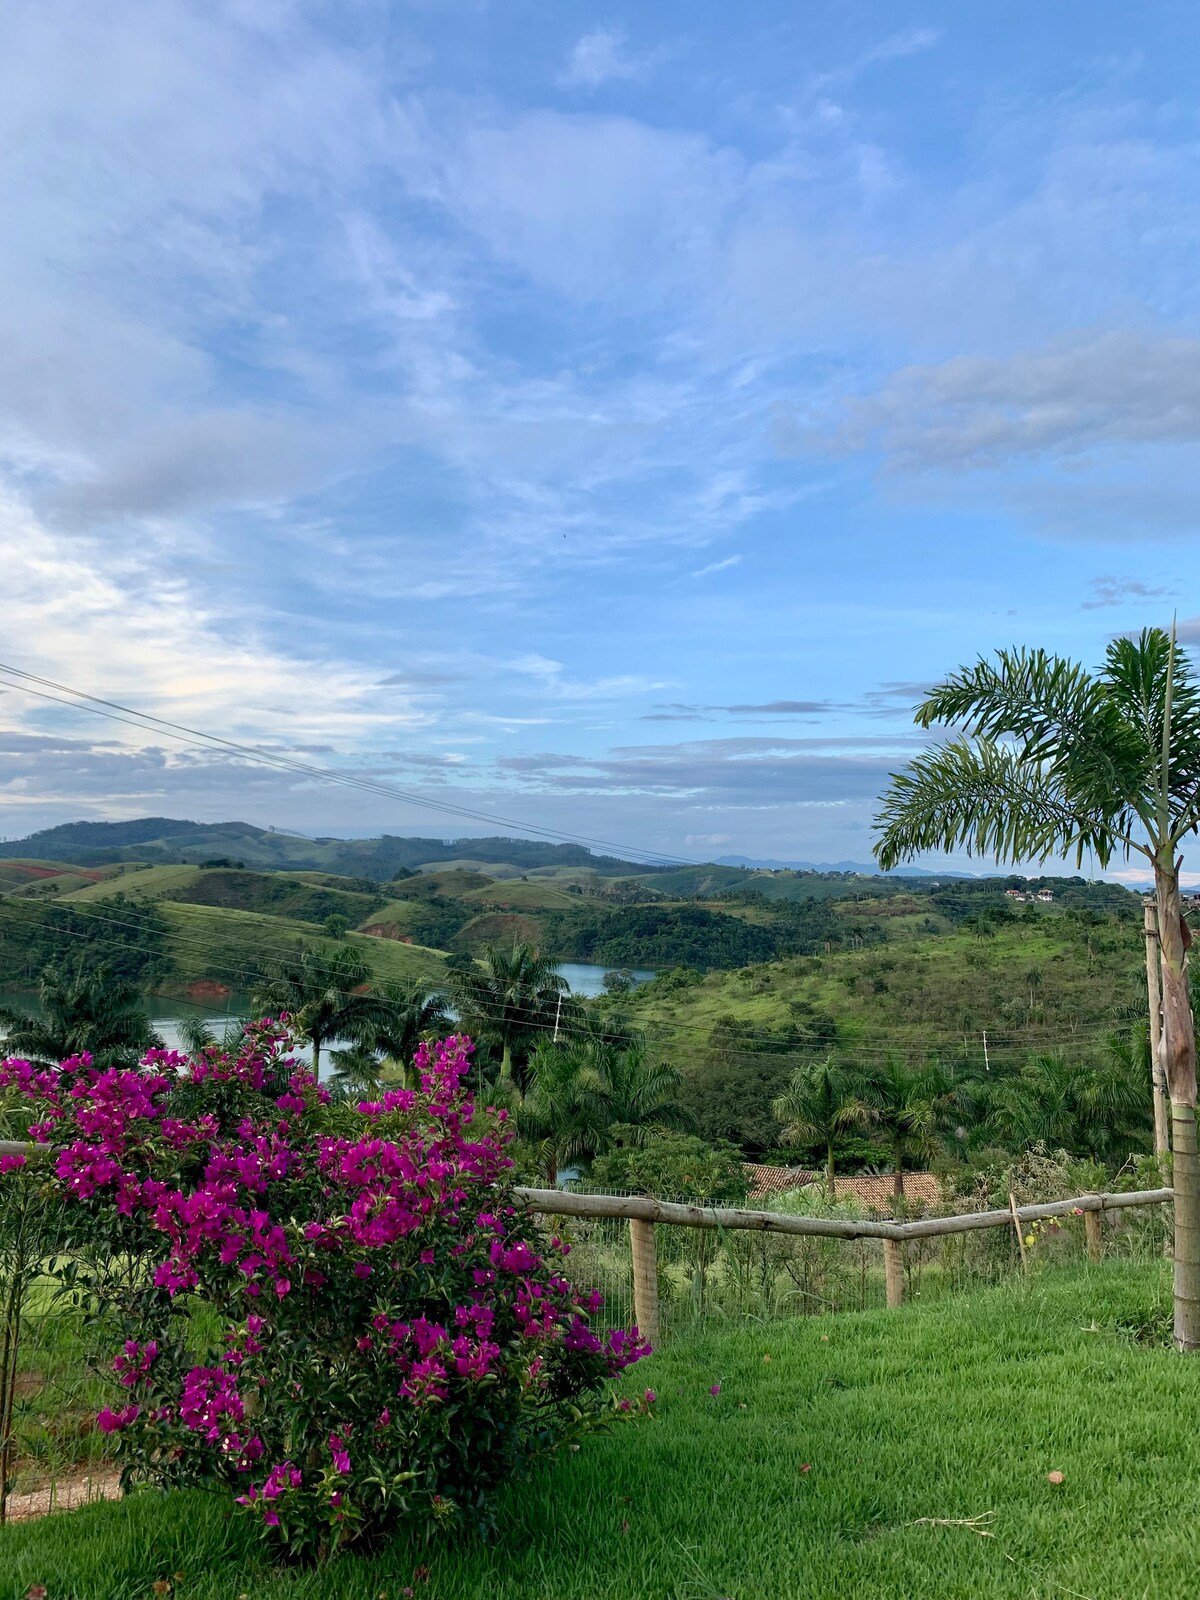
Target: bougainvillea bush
335, 1311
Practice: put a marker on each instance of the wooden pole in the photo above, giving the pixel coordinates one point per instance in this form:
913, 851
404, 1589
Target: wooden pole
1016, 1222
1093, 1223
645, 1278
1158, 1074
893, 1272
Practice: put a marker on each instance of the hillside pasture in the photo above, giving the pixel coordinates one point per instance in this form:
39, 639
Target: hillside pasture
233, 948
145, 884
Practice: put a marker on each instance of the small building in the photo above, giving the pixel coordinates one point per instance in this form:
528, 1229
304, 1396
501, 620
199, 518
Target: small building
1045, 896
1015, 894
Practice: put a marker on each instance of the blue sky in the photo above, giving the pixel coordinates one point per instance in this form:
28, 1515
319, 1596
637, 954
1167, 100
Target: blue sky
609, 418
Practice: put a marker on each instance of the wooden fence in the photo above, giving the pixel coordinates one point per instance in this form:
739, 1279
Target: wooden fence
643, 1213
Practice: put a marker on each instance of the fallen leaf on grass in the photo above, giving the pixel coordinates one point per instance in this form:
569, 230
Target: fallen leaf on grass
36, 1591
1055, 1477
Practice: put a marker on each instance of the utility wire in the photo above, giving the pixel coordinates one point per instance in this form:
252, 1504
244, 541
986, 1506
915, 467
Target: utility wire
863, 1036
849, 1048
144, 720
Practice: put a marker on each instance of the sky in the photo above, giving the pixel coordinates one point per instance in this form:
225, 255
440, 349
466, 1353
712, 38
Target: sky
610, 420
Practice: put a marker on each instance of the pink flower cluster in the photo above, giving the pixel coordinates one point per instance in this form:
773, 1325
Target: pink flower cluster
371, 1272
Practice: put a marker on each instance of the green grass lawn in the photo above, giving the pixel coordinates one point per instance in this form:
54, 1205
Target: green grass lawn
842, 1457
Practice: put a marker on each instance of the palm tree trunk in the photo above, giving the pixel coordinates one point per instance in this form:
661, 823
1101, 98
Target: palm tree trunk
506, 1071
316, 1060
1179, 1052
898, 1174
829, 1168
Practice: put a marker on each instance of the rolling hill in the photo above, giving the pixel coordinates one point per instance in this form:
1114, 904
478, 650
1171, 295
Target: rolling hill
169, 839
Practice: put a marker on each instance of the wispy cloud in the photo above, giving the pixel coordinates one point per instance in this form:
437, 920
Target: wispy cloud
718, 566
1115, 591
599, 57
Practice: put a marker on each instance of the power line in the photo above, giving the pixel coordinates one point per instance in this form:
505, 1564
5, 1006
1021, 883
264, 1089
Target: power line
114, 711
849, 1048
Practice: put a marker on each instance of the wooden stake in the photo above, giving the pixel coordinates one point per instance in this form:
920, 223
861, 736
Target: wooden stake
893, 1272
1093, 1223
1016, 1222
1158, 1075
645, 1278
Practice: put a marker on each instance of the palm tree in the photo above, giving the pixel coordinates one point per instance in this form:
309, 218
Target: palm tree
320, 995
1091, 1109
557, 1115
634, 1092
1050, 760
197, 1034
1033, 978
822, 1101
909, 1106
510, 998
82, 1011
580, 1093
412, 1012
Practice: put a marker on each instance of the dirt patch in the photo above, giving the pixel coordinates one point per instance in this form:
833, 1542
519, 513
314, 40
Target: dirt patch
208, 989
65, 1494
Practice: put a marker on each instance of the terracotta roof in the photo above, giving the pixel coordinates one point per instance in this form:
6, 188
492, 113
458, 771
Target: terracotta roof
876, 1193
764, 1181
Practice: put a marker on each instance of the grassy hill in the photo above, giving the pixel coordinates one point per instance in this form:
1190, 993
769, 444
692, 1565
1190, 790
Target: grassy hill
145, 885
169, 839
216, 945
1030, 986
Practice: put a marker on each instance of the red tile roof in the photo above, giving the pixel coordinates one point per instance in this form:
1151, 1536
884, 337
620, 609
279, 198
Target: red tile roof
876, 1193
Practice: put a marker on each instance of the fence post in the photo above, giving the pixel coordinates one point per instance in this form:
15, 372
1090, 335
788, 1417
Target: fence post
645, 1278
1093, 1223
893, 1272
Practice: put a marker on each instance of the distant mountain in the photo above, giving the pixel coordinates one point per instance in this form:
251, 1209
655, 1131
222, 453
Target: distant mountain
864, 869
161, 840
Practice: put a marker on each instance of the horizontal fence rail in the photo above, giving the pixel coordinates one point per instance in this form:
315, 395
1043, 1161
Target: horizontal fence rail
562, 1203
643, 1212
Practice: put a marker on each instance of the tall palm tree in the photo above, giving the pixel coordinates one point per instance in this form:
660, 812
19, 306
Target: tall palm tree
321, 994
411, 1012
83, 1010
557, 1115
1091, 1108
512, 998
823, 1100
909, 1106
1049, 760
633, 1091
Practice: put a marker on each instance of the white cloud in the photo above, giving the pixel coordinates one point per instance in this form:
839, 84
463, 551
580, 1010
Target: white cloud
600, 57
138, 632
1068, 398
717, 566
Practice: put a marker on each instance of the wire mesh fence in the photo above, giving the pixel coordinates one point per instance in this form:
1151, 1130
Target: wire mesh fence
56, 1357
717, 1276
52, 1390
